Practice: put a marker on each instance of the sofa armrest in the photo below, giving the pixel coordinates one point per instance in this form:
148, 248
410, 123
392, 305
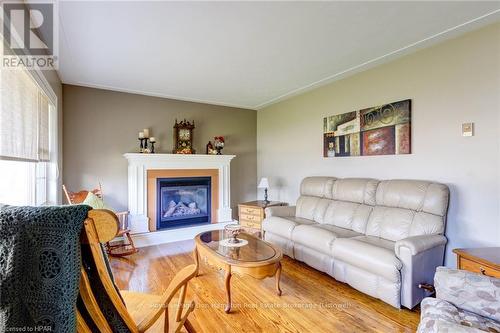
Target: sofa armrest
418, 244
284, 211
420, 255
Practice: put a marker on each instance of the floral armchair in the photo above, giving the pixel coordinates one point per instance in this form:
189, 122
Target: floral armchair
465, 302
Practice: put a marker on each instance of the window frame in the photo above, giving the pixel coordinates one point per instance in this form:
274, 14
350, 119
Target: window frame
42, 177
50, 171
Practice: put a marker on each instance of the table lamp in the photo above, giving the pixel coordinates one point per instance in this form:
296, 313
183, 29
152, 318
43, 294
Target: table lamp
264, 183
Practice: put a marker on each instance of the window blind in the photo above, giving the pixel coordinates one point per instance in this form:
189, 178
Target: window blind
24, 118
43, 128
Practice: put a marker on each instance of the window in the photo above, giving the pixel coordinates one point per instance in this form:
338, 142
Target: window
28, 139
16, 186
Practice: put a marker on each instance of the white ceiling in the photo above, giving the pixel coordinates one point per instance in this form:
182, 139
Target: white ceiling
246, 54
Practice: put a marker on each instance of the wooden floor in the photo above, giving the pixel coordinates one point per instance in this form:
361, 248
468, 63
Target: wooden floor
311, 301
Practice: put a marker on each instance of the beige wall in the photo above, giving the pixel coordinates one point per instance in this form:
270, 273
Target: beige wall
101, 125
451, 83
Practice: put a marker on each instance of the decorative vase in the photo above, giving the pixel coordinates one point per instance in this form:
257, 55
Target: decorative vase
233, 230
219, 144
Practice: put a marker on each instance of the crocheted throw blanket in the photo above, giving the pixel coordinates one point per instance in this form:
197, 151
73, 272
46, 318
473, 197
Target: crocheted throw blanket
39, 267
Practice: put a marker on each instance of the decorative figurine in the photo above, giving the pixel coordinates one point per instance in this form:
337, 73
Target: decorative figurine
210, 148
233, 230
219, 144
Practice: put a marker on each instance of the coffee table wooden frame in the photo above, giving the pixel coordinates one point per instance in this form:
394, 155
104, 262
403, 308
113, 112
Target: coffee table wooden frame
256, 269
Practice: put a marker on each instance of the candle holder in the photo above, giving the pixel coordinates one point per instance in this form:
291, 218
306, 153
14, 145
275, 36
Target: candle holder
145, 140
141, 145
144, 145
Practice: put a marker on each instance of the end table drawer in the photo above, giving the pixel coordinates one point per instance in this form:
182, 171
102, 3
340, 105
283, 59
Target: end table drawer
250, 211
250, 218
476, 267
249, 224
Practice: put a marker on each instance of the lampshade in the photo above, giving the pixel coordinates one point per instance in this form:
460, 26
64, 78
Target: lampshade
264, 183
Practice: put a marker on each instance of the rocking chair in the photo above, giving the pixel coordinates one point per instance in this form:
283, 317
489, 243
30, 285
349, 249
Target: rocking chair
115, 250
135, 312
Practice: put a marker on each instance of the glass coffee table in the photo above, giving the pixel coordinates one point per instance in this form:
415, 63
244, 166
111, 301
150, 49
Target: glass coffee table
257, 258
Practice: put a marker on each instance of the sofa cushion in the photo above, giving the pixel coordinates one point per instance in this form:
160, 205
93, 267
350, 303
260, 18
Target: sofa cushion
438, 315
316, 186
348, 215
320, 237
413, 194
359, 190
407, 208
319, 211
377, 241
469, 291
390, 223
372, 254
345, 203
306, 207
283, 226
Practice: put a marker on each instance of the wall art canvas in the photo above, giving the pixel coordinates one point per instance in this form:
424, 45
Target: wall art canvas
379, 130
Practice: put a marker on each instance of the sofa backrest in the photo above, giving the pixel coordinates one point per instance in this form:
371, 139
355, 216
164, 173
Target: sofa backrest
390, 209
405, 208
313, 194
351, 204
345, 203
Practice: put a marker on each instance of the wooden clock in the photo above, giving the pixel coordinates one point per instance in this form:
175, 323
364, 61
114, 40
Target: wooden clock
183, 137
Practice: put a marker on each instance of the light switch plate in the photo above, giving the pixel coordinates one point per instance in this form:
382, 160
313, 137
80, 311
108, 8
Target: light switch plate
468, 129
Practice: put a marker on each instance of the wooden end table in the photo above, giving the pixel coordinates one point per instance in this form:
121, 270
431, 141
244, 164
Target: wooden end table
484, 260
251, 214
258, 259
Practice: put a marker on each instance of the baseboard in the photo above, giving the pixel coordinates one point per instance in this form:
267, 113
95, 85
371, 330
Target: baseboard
174, 235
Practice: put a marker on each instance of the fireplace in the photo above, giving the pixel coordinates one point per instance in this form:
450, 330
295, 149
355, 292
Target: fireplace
183, 201
144, 171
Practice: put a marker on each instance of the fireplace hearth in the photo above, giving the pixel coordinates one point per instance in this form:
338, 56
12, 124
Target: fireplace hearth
183, 201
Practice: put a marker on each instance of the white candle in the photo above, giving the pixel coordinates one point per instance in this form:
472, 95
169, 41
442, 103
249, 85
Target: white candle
141, 135
146, 132
152, 139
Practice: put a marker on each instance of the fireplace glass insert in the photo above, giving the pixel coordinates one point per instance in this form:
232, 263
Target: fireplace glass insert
183, 201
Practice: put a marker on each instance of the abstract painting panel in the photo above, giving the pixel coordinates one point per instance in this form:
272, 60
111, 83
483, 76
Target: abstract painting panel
403, 138
380, 141
380, 130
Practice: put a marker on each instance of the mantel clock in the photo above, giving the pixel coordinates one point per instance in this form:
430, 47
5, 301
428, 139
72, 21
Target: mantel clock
183, 137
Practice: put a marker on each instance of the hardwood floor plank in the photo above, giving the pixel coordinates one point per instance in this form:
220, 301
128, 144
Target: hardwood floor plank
311, 301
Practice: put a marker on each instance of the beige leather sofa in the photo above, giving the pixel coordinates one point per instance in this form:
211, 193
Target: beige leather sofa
381, 237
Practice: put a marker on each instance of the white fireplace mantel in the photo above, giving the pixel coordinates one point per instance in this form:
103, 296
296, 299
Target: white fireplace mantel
139, 164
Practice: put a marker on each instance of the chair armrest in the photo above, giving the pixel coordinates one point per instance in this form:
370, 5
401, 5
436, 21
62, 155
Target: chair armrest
470, 291
180, 280
122, 213
418, 244
285, 211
